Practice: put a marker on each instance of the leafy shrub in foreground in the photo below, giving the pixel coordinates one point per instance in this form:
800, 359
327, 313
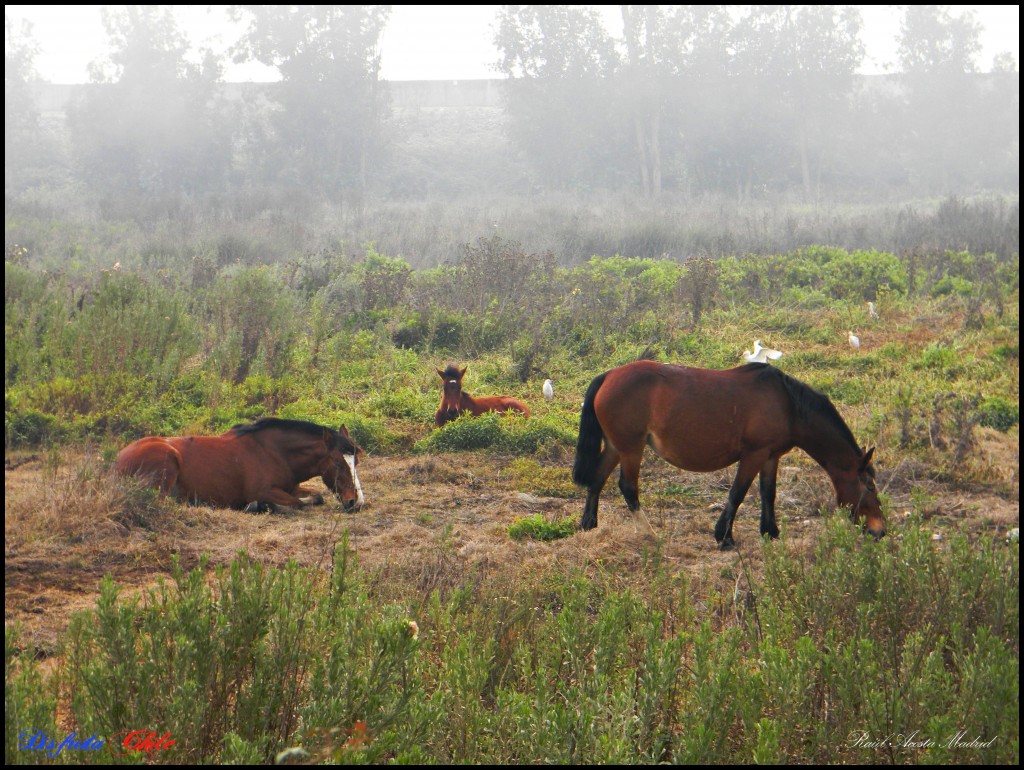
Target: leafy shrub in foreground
888, 638
899, 637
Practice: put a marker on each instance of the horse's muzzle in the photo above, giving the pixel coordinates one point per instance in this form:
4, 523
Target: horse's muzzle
352, 505
876, 528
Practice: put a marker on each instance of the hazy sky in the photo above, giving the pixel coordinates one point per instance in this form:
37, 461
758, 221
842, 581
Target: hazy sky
431, 42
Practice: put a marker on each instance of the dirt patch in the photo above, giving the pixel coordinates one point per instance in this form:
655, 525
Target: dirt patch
432, 523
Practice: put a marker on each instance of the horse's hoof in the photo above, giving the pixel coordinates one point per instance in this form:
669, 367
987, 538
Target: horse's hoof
772, 533
727, 544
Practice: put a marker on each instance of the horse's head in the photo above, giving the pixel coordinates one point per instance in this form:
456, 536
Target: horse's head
451, 394
860, 493
338, 470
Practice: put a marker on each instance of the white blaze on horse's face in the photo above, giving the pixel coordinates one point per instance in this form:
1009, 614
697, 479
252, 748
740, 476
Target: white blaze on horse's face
351, 460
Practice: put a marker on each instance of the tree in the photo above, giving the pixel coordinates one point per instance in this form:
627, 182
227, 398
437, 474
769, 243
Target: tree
21, 117
152, 121
936, 54
559, 61
931, 41
329, 129
799, 63
695, 52
645, 79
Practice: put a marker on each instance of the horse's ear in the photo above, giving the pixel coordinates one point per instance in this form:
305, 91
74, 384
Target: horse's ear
462, 372
866, 460
439, 372
328, 438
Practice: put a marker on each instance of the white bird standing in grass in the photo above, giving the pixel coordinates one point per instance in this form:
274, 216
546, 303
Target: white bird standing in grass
871, 310
854, 341
761, 355
549, 392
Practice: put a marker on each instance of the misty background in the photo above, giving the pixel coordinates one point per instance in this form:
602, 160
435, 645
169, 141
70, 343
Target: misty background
701, 131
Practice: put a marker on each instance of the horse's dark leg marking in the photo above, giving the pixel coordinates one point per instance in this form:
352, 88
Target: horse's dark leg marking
740, 485
629, 485
629, 482
260, 506
609, 459
273, 501
769, 473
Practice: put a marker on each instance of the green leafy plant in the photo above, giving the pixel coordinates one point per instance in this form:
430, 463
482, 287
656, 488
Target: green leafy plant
537, 527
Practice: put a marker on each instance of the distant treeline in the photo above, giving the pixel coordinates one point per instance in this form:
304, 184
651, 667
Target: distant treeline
693, 101
451, 140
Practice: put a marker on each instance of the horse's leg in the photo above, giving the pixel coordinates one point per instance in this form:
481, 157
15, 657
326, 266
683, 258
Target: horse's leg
629, 485
766, 481
749, 467
274, 499
609, 459
308, 496
169, 476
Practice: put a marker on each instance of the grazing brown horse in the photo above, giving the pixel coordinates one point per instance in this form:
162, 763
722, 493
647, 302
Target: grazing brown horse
704, 420
257, 467
455, 401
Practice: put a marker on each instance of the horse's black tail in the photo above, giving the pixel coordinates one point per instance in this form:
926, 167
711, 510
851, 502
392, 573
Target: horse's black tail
588, 445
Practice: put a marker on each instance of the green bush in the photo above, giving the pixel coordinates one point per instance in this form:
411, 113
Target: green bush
999, 413
539, 528
513, 434
464, 433
907, 635
29, 428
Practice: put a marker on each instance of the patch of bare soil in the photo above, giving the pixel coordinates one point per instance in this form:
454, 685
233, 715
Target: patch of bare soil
435, 523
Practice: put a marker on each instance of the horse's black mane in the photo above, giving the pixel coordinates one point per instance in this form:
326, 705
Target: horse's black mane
452, 372
263, 423
807, 401
299, 426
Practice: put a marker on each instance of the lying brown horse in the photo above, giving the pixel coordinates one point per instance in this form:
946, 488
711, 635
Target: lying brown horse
455, 401
704, 420
257, 467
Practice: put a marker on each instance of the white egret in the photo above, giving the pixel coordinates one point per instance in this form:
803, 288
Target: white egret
871, 310
549, 392
760, 354
854, 341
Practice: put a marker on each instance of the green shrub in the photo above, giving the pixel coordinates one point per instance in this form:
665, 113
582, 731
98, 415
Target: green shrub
29, 428
858, 637
999, 413
29, 700
404, 403
937, 357
464, 433
539, 528
513, 434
